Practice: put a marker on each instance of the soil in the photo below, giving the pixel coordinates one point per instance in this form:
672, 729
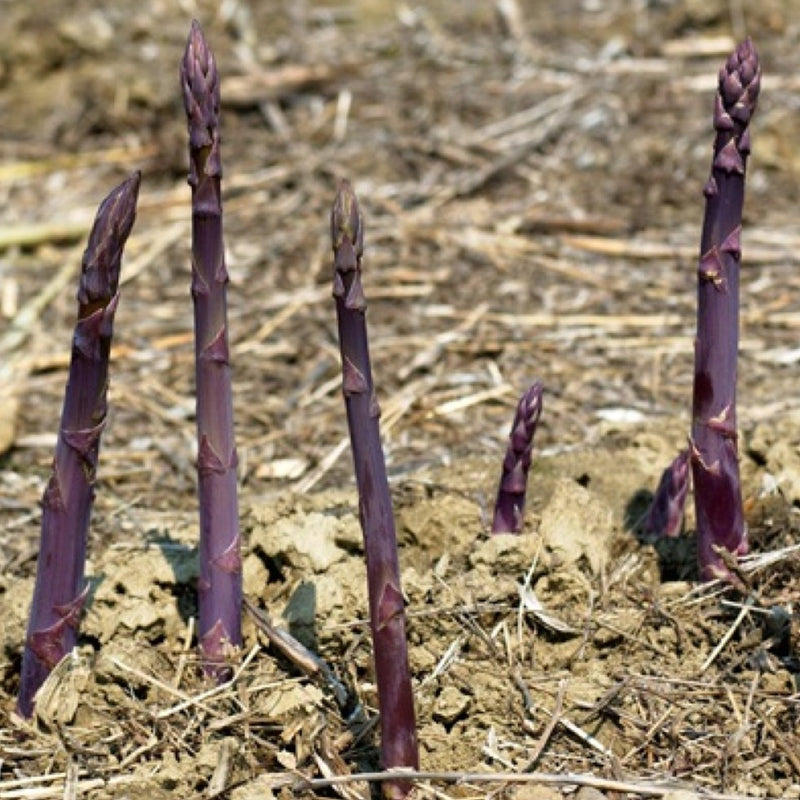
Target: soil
530, 175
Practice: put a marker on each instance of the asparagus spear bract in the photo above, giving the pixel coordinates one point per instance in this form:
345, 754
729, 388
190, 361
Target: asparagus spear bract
386, 607
220, 583
60, 590
714, 452
510, 503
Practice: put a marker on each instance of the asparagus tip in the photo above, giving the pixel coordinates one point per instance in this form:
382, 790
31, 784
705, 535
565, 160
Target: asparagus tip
103, 254
200, 84
347, 229
665, 515
739, 86
510, 502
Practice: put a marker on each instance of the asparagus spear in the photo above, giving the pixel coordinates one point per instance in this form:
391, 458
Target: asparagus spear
510, 503
715, 466
665, 516
220, 583
60, 591
387, 616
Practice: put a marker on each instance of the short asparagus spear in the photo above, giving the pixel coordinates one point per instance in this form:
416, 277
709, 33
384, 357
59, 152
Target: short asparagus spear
60, 590
510, 504
715, 466
665, 516
387, 615
220, 583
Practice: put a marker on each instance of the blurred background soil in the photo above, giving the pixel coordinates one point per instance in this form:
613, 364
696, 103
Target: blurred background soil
530, 175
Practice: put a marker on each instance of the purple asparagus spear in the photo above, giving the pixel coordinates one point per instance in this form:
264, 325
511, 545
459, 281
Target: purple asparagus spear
60, 590
220, 583
510, 504
387, 614
665, 516
715, 465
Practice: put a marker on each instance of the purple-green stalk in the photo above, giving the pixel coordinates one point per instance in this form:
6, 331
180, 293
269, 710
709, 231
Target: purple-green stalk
665, 515
386, 607
60, 590
715, 464
219, 587
509, 506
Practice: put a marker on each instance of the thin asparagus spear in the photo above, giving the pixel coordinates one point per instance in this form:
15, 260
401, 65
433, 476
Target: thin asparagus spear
510, 503
387, 615
60, 590
220, 583
715, 465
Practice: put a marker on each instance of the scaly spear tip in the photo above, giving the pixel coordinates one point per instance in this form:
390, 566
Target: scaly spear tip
200, 86
346, 221
112, 226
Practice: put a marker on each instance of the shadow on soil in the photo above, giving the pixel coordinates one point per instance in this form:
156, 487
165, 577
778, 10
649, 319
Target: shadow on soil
677, 558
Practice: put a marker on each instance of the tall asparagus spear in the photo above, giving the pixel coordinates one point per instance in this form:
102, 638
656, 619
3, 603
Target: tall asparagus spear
386, 611
715, 466
220, 583
510, 503
60, 590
